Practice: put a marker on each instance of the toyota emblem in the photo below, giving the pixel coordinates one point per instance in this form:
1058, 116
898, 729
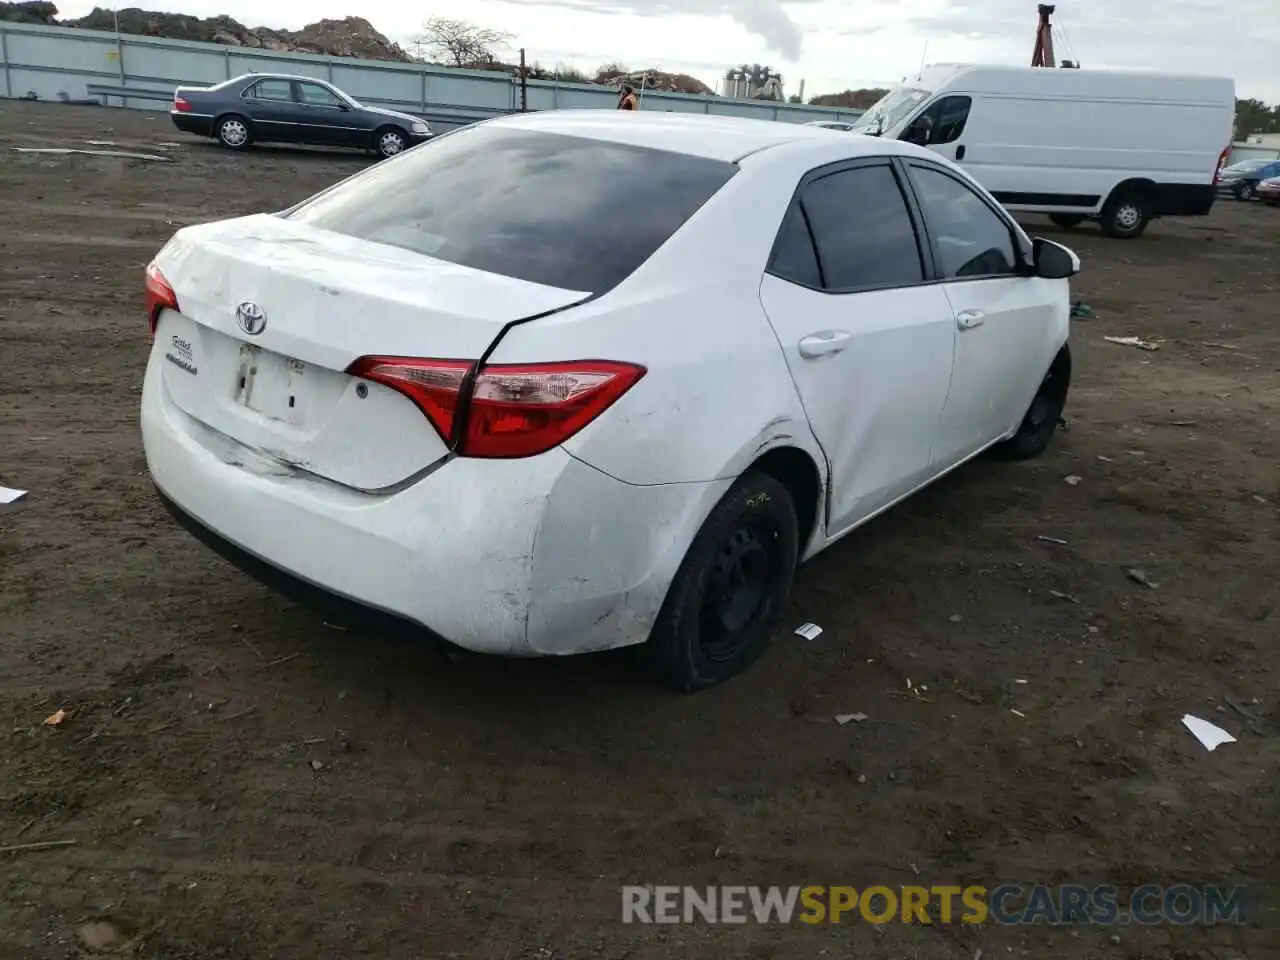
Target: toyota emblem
251, 317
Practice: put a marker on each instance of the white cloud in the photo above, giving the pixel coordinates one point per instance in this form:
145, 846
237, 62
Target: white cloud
832, 44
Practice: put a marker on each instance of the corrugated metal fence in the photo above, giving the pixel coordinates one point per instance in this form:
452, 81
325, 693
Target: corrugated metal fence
56, 63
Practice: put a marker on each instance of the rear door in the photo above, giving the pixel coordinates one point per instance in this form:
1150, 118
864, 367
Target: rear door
270, 104
1004, 321
867, 337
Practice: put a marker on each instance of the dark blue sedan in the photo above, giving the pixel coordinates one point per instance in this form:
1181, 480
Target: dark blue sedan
1241, 180
274, 108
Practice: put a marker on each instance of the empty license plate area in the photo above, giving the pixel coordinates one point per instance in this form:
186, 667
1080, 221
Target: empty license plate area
276, 386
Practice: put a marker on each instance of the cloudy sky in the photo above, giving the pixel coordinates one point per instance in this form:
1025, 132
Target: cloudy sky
831, 44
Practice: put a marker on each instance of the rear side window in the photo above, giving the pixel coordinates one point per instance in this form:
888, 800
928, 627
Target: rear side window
794, 258
272, 90
862, 229
564, 211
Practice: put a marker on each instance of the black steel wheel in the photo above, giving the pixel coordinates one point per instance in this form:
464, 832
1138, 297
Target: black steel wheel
1042, 416
732, 585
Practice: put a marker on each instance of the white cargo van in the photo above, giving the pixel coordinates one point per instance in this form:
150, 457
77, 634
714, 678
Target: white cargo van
1122, 147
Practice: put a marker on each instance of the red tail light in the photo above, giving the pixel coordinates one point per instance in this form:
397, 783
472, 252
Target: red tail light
160, 296
504, 410
181, 105
1222, 163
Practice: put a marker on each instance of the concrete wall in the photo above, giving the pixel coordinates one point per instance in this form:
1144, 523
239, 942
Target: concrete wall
57, 62
1247, 151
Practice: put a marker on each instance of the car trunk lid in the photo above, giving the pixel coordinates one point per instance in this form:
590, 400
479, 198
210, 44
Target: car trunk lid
273, 313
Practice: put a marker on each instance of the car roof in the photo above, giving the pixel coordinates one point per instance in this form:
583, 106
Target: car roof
716, 138
278, 76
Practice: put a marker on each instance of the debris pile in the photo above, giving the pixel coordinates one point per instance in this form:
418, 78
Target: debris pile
36, 12
652, 80
349, 37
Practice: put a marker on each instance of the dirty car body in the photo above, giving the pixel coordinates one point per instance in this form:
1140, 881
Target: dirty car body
481, 389
279, 108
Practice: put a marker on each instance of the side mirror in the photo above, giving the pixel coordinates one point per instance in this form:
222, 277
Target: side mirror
1053, 261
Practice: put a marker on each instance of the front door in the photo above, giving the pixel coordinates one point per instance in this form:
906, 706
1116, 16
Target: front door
1003, 319
325, 118
867, 340
946, 119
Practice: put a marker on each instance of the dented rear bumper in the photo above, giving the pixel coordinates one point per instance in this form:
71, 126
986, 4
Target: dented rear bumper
541, 555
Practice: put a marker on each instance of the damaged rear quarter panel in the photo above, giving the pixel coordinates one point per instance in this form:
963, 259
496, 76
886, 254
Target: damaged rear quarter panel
710, 401
605, 554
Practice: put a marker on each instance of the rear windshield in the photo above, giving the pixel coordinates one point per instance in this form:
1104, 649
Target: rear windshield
563, 211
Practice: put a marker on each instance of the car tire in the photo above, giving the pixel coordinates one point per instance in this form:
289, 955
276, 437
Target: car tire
1040, 422
390, 141
1126, 214
1245, 193
731, 586
1066, 220
234, 132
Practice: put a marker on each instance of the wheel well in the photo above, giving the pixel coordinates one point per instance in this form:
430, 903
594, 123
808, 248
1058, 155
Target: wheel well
1061, 368
796, 471
389, 126
1140, 186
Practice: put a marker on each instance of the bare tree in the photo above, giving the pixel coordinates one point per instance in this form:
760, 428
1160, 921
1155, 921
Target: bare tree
459, 43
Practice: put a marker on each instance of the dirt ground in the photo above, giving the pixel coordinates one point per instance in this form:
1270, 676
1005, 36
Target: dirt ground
238, 780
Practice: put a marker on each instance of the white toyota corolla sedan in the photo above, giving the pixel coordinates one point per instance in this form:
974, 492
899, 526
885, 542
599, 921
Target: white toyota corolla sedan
575, 380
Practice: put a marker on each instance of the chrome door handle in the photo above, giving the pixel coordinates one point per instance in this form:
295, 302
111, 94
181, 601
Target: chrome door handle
968, 319
823, 343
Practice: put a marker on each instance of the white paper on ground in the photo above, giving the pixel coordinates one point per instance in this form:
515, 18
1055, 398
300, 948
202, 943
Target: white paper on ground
810, 631
1210, 736
8, 494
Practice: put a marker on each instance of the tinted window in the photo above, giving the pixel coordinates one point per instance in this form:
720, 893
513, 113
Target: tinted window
317, 95
794, 258
563, 211
949, 115
862, 229
971, 239
273, 90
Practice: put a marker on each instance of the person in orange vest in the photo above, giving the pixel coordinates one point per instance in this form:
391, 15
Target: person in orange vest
627, 100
